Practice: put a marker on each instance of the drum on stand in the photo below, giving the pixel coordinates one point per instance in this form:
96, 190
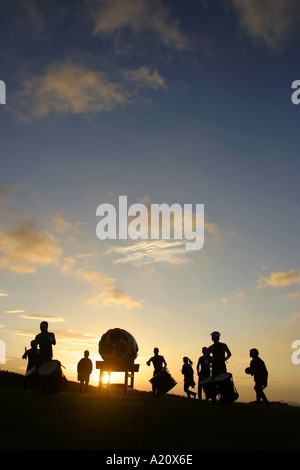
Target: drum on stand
51, 377
163, 382
226, 388
209, 387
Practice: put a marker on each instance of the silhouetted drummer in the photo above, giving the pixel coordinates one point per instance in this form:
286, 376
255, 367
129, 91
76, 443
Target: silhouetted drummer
84, 370
220, 354
203, 370
259, 371
158, 363
35, 360
45, 340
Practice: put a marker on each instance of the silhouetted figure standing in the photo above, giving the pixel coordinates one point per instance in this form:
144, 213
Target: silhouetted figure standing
259, 371
84, 370
159, 364
220, 354
203, 370
188, 374
34, 362
45, 340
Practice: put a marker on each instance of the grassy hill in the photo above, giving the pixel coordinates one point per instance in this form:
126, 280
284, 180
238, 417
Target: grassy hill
69, 421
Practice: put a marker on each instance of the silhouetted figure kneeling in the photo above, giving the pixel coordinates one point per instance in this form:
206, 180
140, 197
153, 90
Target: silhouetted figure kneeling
188, 374
159, 364
84, 370
259, 371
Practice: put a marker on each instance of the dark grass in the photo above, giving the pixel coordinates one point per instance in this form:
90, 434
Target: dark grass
71, 421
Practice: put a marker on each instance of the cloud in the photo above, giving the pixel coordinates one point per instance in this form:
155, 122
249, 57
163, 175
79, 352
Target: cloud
41, 317
137, 16
143, 76
14, 311
268, 22
233, 297
141, 253
113, 297
110, 294
68, 88
25, 247
280, 279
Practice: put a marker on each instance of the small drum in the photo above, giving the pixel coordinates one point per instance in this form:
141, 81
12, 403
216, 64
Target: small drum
209, 387
226, 388
163, 382
51, 377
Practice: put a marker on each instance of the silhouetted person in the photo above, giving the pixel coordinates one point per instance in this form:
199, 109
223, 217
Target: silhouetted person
219, 353
259, 371
45, 341
203, 369
84, 370
33, 355
188, 374
159, 364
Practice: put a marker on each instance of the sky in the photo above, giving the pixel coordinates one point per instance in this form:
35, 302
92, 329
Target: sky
162, 101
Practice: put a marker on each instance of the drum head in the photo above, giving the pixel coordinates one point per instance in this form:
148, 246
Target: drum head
206, 381
49, 367
222, 377
30, 371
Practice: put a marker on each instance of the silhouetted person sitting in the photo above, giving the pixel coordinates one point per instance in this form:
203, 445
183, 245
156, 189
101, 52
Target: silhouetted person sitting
35, 360
84, 370
45, 341
159, 364
188, 374
203, 370
220, 354
259, 371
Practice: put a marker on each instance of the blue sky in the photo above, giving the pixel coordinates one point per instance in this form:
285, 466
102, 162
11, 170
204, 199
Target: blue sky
163, 102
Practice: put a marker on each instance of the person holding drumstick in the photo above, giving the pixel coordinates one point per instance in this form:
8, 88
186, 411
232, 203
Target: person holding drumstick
259, 371
159, 363
45, 340
220, 354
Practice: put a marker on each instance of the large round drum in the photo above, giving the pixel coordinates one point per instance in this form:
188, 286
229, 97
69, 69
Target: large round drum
118, 345
163, 382
51, 377
226, 388
209, 387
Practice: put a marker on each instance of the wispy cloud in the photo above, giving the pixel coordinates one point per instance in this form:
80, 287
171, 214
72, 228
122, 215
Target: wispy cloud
50, 318
268, 22
280, 279
110, 294
69, 88
25, 247
14, 311
150, 17
141, 253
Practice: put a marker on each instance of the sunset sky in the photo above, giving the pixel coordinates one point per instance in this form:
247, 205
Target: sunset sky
160, 101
